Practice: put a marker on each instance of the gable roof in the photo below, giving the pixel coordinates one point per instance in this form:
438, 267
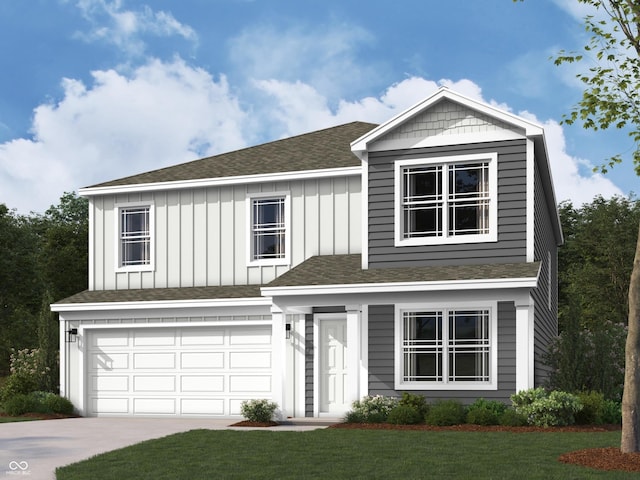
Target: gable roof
529, 129
319, 150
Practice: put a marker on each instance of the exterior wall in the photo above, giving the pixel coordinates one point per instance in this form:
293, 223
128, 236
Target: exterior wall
201, 234
546, 294
381, 357
511, 244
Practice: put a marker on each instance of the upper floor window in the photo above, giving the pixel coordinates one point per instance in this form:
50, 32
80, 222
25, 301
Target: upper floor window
268, 232
446, 200
135, 237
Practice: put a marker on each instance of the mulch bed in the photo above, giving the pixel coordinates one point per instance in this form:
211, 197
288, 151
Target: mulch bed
247, 423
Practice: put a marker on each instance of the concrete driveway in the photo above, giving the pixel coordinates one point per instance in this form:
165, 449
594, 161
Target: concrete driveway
34, 449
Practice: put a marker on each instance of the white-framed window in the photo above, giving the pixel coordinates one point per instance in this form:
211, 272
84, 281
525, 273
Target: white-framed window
135, 237
269, 228
446, 347
446, 200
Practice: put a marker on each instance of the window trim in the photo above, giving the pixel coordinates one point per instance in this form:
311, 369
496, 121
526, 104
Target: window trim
119, 207
492, 384
285, 260
445, 162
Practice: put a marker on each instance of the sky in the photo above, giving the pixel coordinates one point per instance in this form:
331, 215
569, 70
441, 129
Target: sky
95, 90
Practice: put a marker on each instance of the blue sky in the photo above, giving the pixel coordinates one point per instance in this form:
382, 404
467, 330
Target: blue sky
101, 89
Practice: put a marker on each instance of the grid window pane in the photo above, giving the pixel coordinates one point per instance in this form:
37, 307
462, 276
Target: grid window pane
469, 345
135, 236
423, 346
268, 228
468, 199
422, 201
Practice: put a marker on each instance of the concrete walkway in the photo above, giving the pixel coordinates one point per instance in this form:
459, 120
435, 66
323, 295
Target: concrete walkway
35, 449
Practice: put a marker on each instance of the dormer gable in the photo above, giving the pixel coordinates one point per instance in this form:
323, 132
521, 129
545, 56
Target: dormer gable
446, 117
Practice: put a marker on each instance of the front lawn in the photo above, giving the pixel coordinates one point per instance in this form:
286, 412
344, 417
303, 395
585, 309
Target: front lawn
346, 453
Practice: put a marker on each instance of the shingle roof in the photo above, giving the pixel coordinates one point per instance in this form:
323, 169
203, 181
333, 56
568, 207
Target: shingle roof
322, 149
347, 270
163, 294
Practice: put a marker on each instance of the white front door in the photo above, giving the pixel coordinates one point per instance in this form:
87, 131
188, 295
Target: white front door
332, 371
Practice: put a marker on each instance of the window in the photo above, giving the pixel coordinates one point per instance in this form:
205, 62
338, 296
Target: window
445, 348
446, 202
268, 236
135, 247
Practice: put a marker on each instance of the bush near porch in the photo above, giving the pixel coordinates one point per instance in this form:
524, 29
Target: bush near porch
537, 407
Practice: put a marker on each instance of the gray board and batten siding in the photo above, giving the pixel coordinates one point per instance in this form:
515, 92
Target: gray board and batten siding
512, 220
382, 361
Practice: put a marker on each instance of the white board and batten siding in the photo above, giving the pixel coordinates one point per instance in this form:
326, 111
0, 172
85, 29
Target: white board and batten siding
200, 234
177, 371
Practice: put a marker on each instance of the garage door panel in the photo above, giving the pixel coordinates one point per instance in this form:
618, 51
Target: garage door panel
115, 338
112, 405
119, 383
202, 360
200, 370
202, 406
110, 361
249, 383
250, 337
154, 360
159, 338
202, 383
250, 360
202, 337
154, 383
154, 406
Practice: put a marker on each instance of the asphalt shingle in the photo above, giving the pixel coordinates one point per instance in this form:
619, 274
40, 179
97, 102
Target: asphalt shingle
322, 149
347, 270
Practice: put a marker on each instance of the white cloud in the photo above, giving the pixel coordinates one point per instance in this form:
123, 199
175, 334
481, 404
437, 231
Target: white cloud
572, 177
324, 56
124, 28
162, 114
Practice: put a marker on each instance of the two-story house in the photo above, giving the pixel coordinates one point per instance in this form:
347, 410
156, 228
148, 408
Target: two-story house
417, 255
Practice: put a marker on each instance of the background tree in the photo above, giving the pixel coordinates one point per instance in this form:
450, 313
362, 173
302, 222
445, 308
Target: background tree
43, 258
611, 98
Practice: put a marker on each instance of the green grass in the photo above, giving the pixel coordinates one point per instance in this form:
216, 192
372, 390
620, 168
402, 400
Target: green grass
17, 419
348, 454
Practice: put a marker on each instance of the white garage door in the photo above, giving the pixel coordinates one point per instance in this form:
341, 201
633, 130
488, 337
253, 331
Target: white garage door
199, 371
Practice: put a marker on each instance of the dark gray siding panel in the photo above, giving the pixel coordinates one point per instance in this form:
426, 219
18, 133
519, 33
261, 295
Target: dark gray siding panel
381, 357
545, 295
308, 365
511, 245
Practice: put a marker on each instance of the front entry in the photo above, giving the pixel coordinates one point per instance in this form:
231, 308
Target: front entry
333, 388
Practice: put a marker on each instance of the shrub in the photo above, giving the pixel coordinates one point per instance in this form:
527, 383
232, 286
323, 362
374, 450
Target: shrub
20, 404
57, 404
485, 412
404, 415
28, 373
354, 417
612, 412
416, 401
38, 402
258, 410
547, 409
511, 418
373, 409
445, 412
592, 408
